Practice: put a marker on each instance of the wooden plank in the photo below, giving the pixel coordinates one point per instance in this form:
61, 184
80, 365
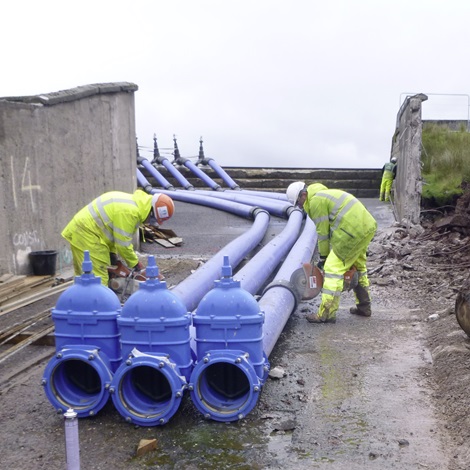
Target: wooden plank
167, 232
4, 309
9, 334
164, 243
25, 288
14, 283
47, 340
18, 347
176, 240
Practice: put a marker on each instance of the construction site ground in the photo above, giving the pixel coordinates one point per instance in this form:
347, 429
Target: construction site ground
385, 392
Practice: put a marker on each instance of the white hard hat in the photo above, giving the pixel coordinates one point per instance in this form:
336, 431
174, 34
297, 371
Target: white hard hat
393, 159
163, 207
293, 191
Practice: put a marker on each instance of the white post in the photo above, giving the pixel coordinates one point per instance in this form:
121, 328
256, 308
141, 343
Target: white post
72, 448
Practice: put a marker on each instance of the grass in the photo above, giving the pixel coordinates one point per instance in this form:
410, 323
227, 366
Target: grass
445, 159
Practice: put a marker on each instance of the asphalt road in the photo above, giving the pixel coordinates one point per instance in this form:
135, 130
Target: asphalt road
205, 231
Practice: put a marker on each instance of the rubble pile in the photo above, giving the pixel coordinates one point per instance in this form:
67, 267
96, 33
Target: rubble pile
436, 252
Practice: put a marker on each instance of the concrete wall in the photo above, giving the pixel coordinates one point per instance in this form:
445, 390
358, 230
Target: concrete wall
59, 151
406, 147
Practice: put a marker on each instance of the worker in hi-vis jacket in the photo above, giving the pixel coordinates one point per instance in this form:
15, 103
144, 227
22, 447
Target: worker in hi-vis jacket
106, 227
344, 228
389, 172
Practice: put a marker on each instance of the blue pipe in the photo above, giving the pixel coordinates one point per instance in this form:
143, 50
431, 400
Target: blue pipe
174, 172
143, 182
199, 173
263, 264
279, 299
195, 286
221, 173
78, 377
268, 194
225, 383
162, 181
274, 207
188, 196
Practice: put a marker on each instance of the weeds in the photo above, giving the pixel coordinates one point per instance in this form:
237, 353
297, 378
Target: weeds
445, 159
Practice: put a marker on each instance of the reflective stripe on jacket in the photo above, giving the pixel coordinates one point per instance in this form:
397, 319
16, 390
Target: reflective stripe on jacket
114, 218
343, 223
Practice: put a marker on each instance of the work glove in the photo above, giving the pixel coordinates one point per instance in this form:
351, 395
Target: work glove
138, 267
321, 263
113, 259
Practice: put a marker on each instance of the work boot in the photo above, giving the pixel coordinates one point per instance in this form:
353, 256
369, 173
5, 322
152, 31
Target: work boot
361, 311
362, 307
314, 318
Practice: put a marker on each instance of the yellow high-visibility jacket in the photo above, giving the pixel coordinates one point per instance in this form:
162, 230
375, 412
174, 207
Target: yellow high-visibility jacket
343, 223
111, 219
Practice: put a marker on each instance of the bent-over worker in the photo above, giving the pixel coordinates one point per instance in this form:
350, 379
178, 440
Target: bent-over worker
389, 172
345, 228
106, 227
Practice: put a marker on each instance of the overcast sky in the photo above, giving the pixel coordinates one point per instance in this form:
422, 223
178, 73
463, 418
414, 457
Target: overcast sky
291, 83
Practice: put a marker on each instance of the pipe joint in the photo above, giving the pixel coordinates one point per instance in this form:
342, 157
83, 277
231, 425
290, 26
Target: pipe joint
226, 387
258, 210
78, 377
158, 160
180, 160
291, 209
148, 392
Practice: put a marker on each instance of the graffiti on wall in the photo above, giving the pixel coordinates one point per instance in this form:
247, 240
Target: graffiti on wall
26, 238
22, 183
26, 185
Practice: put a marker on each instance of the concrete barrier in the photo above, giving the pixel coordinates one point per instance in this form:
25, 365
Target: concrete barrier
58, 151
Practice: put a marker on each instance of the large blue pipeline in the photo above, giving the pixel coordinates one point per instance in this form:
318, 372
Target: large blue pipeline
161, 372
225, 368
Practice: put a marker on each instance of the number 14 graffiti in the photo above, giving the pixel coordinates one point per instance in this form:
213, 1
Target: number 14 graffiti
26, 185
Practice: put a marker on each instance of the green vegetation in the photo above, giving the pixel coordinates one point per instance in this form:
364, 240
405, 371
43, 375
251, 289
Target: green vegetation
446, 163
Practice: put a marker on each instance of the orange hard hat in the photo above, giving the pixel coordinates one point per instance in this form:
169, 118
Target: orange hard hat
163, 207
